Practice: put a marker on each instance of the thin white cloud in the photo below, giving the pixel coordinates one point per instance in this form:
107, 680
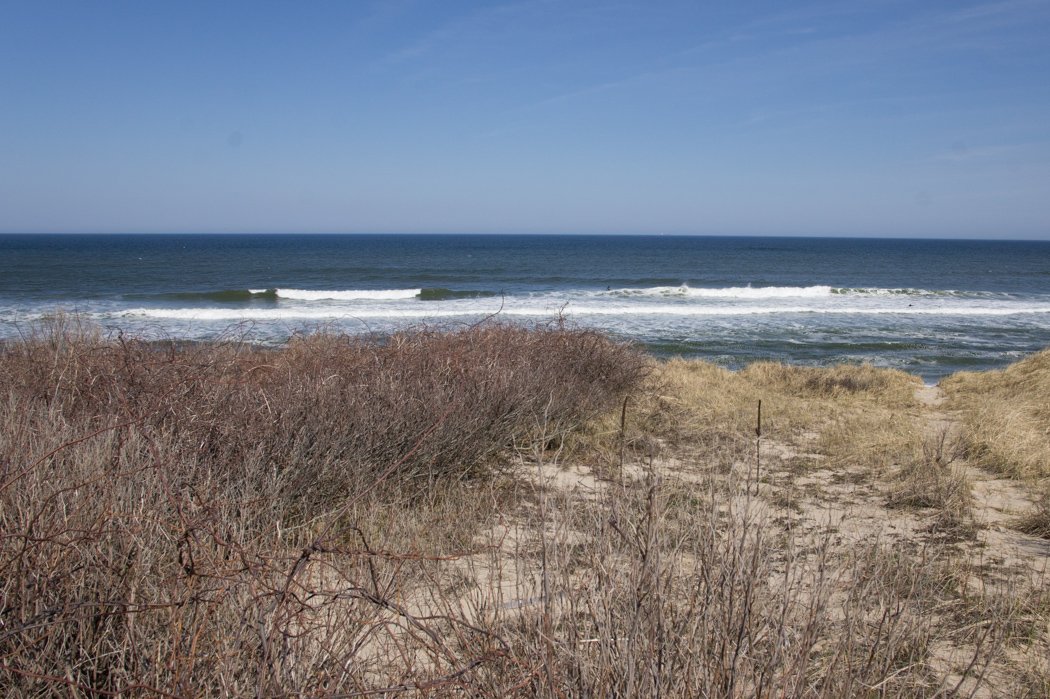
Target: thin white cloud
464, 28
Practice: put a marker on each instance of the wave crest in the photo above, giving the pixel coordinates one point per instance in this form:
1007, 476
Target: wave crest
732, 292
348, 295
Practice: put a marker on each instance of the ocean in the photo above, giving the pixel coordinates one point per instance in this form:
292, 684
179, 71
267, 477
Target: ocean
929, 307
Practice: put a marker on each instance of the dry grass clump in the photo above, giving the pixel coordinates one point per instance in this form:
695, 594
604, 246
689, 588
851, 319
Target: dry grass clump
1035, 684
203, 519
931, 480
1037, 523
862, 414
1007, 416
871, 439
887, 388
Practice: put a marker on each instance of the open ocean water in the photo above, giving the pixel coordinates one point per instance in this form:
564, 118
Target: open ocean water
930, 307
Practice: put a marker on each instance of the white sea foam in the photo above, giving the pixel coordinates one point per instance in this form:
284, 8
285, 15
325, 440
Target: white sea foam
349, 295
541, 310
732, 292
786, 292
932, 293
743, 310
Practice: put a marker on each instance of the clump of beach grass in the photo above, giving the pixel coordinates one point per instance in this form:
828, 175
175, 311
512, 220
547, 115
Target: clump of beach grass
931, 479
856, 413
1007, 416
1037, 522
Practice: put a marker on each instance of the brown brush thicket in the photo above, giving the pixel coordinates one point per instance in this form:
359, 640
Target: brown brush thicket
201, 519
326, 412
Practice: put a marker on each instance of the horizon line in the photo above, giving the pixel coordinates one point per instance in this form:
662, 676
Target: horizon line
820, 236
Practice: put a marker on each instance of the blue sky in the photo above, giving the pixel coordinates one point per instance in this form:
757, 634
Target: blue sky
869, 118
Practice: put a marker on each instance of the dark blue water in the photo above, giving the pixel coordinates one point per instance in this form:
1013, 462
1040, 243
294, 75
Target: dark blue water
927, 306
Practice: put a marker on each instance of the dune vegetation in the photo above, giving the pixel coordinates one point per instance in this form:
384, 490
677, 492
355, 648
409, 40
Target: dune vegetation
499, 510
1007, 416
1007, 421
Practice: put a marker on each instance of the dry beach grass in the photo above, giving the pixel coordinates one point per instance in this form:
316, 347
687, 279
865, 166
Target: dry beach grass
1007, 416
507, 511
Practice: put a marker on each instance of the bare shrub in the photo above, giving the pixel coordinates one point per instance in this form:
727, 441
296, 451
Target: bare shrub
202, 519
331, 410
667, 600
658, 588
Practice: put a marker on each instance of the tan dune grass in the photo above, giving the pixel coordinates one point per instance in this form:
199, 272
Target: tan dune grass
1007, 415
